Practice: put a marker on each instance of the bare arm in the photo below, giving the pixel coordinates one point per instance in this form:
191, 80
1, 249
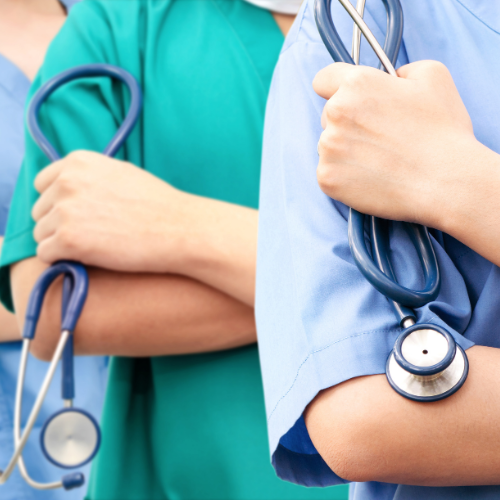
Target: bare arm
404, 149
367, 432
170, 272
145, 225
130, 314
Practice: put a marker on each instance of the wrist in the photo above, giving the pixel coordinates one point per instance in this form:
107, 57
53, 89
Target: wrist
220, 246
194, 246
470, 190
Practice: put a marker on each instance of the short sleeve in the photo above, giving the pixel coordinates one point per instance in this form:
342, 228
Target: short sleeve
14, 87
319, 321
80, 115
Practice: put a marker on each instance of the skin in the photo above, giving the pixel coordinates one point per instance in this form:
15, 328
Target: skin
160, 260
26, 29
395, 148
284, 21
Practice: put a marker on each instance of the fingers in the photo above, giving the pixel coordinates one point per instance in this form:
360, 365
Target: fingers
47, 225
78, 160
48, 175
424, 70
329, 80
51, 250
45, 203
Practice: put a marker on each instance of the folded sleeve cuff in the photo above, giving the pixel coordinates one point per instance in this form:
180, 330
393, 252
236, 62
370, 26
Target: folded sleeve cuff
294, 456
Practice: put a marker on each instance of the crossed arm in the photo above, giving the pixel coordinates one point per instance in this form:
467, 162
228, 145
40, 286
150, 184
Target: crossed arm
399, 148
170, 273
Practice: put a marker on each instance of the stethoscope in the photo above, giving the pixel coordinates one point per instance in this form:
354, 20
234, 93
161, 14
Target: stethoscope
426, 364
71, 437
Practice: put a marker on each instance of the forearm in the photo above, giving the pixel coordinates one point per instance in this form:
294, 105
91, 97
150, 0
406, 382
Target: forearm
367, 432
129, 314
471, 211
222, 249
146, 225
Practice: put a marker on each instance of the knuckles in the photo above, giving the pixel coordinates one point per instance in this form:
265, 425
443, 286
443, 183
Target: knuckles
360, 79
435, 68
66, 184
340, 112
328, 179
80, 158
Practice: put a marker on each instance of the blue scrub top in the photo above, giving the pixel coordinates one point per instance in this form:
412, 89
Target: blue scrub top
319, 321
90, 372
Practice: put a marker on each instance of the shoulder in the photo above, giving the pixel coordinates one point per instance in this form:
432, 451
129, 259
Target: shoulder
96, 31
304, 28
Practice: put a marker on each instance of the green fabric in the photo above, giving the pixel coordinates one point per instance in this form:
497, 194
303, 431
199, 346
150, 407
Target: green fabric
185, 427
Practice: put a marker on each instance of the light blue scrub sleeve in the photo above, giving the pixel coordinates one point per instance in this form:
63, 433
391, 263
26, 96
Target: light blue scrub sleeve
319, 321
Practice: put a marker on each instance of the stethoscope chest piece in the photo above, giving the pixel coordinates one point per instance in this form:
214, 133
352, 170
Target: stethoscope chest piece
426, 364
70, 438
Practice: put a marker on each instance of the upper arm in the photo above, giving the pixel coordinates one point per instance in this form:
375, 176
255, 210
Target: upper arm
365, 431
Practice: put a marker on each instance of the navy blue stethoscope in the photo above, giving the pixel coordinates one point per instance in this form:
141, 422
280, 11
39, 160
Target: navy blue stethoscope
70, 437
426, 364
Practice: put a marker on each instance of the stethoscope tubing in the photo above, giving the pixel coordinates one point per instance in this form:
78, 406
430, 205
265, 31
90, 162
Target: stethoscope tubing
86, 71
420, 382
78, 290
21, 440
376, 267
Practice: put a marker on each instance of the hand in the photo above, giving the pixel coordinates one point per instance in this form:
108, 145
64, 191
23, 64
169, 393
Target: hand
399, 148
110, 214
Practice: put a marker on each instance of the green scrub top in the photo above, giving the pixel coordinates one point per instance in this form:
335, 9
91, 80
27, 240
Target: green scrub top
174, 427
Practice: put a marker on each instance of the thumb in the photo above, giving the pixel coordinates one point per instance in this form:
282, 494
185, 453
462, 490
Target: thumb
328, 81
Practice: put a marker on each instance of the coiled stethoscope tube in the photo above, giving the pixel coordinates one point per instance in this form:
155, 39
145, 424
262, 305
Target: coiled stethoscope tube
70, 437
426, 364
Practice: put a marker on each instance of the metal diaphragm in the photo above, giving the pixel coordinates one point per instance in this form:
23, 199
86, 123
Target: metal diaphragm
70, 438
426, 364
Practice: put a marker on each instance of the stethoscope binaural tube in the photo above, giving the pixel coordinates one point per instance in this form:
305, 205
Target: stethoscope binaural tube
73, 311
86, 71
74, 293
426, 364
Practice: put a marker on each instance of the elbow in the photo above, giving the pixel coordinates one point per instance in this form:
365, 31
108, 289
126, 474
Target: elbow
352, 435
351, 456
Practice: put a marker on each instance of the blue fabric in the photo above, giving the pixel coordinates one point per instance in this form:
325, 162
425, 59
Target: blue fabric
319, 322
90, 373
69, 3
